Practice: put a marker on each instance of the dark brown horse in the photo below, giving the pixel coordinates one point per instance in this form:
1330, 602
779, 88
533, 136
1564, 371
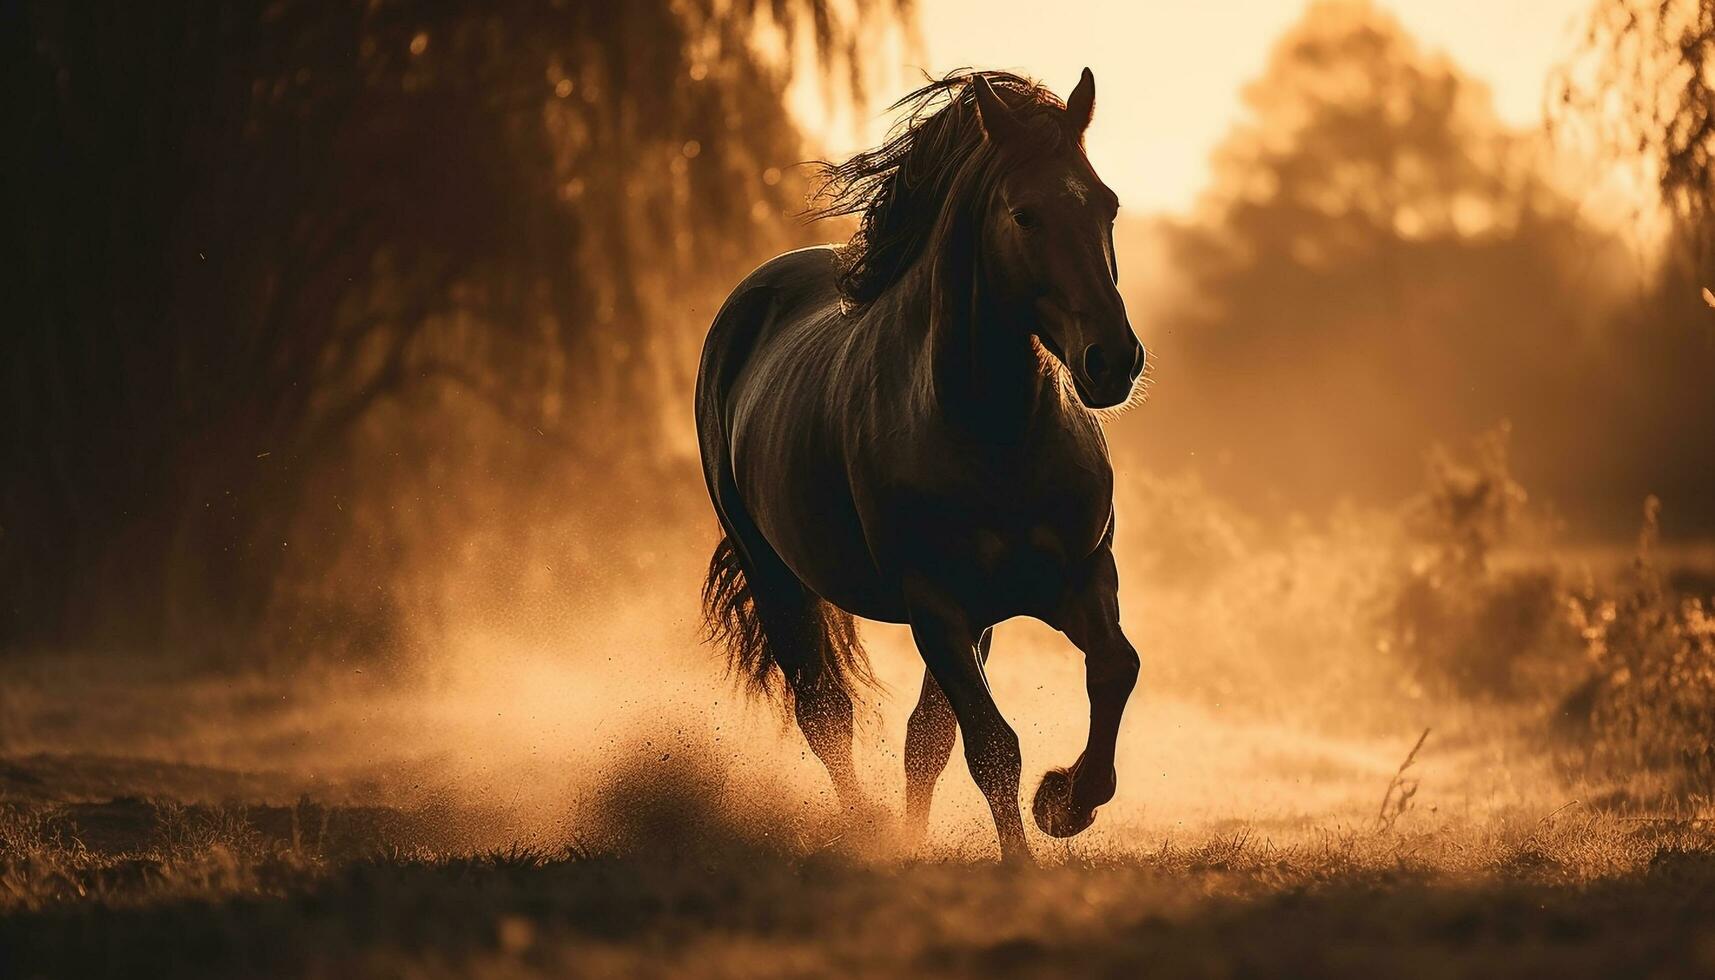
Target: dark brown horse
905, 429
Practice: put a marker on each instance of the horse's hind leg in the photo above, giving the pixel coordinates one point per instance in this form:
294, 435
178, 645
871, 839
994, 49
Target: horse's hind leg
929, 744
800, 629
824, 713
810, 642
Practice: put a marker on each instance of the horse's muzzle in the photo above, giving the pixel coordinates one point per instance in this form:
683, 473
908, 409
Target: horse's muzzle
1105, 380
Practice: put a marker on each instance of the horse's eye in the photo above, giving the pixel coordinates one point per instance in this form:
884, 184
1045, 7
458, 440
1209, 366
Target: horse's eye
1024, 219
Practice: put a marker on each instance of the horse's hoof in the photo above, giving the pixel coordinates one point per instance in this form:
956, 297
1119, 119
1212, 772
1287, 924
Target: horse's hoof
1053, 808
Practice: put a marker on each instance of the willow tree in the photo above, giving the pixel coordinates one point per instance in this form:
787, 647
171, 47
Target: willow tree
1642, 85
247, 227
1639, 92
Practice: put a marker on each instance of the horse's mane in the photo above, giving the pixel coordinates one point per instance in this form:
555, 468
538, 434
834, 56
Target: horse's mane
900, 189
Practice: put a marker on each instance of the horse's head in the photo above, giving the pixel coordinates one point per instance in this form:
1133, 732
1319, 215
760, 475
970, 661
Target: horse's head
1048, 241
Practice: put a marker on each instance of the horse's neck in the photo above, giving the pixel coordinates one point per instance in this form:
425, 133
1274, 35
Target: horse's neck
980, 362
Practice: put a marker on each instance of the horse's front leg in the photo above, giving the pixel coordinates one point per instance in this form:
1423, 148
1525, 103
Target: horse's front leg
1066, 799
949, 646
928, 744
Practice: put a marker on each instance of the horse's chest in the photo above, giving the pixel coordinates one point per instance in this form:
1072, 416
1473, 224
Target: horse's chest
1017, 573
1008, 550
1053, 530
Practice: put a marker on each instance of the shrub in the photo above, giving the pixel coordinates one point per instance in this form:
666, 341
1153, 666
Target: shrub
1456, 619
1647, 711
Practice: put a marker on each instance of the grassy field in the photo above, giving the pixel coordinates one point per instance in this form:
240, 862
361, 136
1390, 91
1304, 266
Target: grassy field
692, 868
132, 888
592, 799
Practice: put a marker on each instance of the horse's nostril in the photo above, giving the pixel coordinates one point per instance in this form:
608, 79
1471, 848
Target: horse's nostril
1095, 362
1138, 361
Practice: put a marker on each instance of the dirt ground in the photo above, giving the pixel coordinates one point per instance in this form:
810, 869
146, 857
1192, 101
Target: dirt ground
595, 799
150, 889
1250, 849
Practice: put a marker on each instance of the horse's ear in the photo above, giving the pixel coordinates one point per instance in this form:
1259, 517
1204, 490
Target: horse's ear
1081, 104
998, 121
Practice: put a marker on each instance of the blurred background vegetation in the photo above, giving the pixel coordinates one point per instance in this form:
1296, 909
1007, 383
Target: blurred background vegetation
305, 290
335, 323
1379, 266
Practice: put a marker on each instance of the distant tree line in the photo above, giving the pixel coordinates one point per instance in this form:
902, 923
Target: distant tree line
1380, 265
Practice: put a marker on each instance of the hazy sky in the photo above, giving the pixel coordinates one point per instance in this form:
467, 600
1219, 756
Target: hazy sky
1168, 74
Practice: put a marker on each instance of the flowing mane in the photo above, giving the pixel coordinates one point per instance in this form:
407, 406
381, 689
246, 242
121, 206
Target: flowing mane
928, 165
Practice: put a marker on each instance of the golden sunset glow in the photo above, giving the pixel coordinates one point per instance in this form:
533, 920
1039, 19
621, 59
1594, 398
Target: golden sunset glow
456, 520
1172, 74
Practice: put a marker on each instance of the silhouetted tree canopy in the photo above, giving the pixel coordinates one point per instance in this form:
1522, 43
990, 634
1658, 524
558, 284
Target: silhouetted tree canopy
248, 229
1643, 85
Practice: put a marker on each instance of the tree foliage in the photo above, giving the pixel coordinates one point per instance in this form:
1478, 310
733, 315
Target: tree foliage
1378, 266
1642, 86
249, 231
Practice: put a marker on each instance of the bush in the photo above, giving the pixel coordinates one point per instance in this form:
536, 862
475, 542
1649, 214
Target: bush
1647, 711
1463, 625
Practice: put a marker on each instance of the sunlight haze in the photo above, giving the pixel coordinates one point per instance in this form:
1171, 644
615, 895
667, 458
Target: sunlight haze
463, 515
1169, 75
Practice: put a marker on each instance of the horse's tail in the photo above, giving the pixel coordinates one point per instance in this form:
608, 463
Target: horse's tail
788, 635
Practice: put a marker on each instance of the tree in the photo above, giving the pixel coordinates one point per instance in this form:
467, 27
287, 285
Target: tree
1378, 266
245, 229
1641, 89
1639, 94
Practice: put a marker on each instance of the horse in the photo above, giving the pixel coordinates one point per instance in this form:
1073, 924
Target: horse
908, 429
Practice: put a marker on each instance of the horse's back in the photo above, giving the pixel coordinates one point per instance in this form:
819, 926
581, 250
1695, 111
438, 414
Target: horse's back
792, 290
773, 295
768, 393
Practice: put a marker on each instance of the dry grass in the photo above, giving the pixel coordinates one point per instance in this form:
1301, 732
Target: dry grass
599, 805
210, 892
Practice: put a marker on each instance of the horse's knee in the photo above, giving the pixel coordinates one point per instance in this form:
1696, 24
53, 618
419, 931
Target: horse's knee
994, 755
1112, 665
